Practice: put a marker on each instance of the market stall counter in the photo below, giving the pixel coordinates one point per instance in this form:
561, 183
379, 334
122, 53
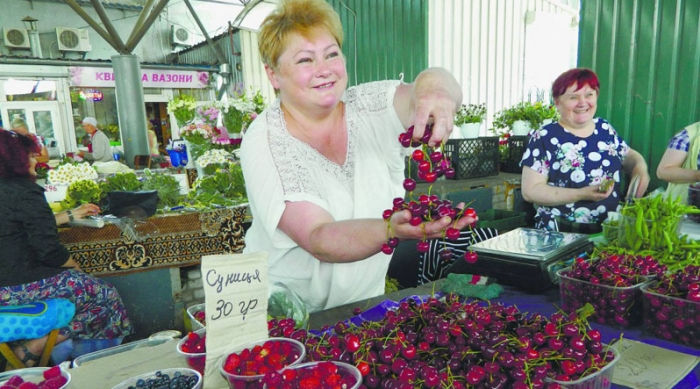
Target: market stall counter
142, 258
111, 370
169, 240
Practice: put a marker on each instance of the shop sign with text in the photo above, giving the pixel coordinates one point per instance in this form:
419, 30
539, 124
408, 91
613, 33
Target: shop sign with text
151, 78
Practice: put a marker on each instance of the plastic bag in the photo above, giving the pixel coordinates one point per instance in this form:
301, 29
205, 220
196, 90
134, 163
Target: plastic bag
283, 303
135, 205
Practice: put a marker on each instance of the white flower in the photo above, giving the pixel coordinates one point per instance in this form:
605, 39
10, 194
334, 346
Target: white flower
214, 156
67, 174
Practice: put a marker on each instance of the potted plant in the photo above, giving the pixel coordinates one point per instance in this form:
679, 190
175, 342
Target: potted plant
523, 117
239, 112
469, 118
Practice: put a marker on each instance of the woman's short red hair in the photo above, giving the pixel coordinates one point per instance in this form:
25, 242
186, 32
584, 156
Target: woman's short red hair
579, 76
15, 150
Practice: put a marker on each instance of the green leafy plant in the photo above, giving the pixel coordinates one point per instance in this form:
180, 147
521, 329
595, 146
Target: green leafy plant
470, 113
225, 187
167, 186
121, 182
533, 113
84, 191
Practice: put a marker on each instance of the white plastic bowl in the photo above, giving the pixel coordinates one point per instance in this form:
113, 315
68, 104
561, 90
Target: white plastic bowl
32, 374
170, 372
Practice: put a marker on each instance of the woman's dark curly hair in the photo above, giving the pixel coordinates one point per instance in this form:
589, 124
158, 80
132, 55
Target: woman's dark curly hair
15, 150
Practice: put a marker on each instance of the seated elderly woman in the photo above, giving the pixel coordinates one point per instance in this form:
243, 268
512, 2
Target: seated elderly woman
572, 167
35, 265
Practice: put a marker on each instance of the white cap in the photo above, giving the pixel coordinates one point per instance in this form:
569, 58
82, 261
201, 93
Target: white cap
90, 120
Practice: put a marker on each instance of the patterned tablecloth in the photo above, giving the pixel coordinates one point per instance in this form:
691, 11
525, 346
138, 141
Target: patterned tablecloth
160, 241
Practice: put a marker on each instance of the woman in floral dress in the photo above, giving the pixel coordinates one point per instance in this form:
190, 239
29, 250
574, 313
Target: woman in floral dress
568, 164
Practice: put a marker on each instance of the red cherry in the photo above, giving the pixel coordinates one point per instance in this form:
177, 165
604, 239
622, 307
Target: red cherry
470, 213
363, 367
431, 177
424, 166
409, 351
470, 257
694, 295
418, 155
409, 184
423, 246
386, 249
352, 342
452, 234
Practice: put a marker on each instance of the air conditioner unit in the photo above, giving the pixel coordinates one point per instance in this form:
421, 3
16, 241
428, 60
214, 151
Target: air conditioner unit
179, 36
73, 39
16, 38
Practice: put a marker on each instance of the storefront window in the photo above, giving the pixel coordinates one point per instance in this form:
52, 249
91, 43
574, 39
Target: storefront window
100, 103
30, 90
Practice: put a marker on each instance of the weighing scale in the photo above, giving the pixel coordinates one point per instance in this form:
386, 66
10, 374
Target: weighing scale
524, 257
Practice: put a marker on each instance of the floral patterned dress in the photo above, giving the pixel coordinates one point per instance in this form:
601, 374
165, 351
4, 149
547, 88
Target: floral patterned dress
570, 161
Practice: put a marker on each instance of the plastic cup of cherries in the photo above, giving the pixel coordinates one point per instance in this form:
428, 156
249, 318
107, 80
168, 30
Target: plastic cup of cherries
246, 366
317, 375
193, 347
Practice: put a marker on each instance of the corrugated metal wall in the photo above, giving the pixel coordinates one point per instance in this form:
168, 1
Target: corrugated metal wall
230, 46
254, 74
647, 56
383, 38
482, 42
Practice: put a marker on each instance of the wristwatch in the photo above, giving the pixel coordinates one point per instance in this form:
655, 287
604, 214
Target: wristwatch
70, 215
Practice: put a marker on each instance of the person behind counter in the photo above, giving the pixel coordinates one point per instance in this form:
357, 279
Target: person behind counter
20, 126
322, 163
100, 150
36, 266
568, 165
679, 164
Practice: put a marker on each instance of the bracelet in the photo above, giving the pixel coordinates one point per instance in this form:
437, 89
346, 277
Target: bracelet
70, 215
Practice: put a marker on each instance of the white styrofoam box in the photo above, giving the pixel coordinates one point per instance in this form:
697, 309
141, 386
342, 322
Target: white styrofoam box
182, 180
55, 192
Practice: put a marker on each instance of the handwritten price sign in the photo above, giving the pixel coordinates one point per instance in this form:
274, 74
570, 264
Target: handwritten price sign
225, 308
235, 294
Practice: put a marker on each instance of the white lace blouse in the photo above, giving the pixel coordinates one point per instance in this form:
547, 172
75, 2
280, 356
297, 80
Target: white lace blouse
279, 168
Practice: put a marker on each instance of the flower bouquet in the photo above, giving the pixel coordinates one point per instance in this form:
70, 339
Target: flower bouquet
238, 113
183, 107
42, 170
68, 173
199, 138
209, 114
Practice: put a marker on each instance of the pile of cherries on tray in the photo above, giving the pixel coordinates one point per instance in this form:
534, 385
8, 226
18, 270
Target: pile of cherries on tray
446, 343
432, 164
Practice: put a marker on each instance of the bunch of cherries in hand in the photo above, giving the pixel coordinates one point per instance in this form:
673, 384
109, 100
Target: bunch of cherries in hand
432, 164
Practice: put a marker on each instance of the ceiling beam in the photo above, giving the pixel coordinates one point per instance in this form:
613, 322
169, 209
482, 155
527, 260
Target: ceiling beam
121, 49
